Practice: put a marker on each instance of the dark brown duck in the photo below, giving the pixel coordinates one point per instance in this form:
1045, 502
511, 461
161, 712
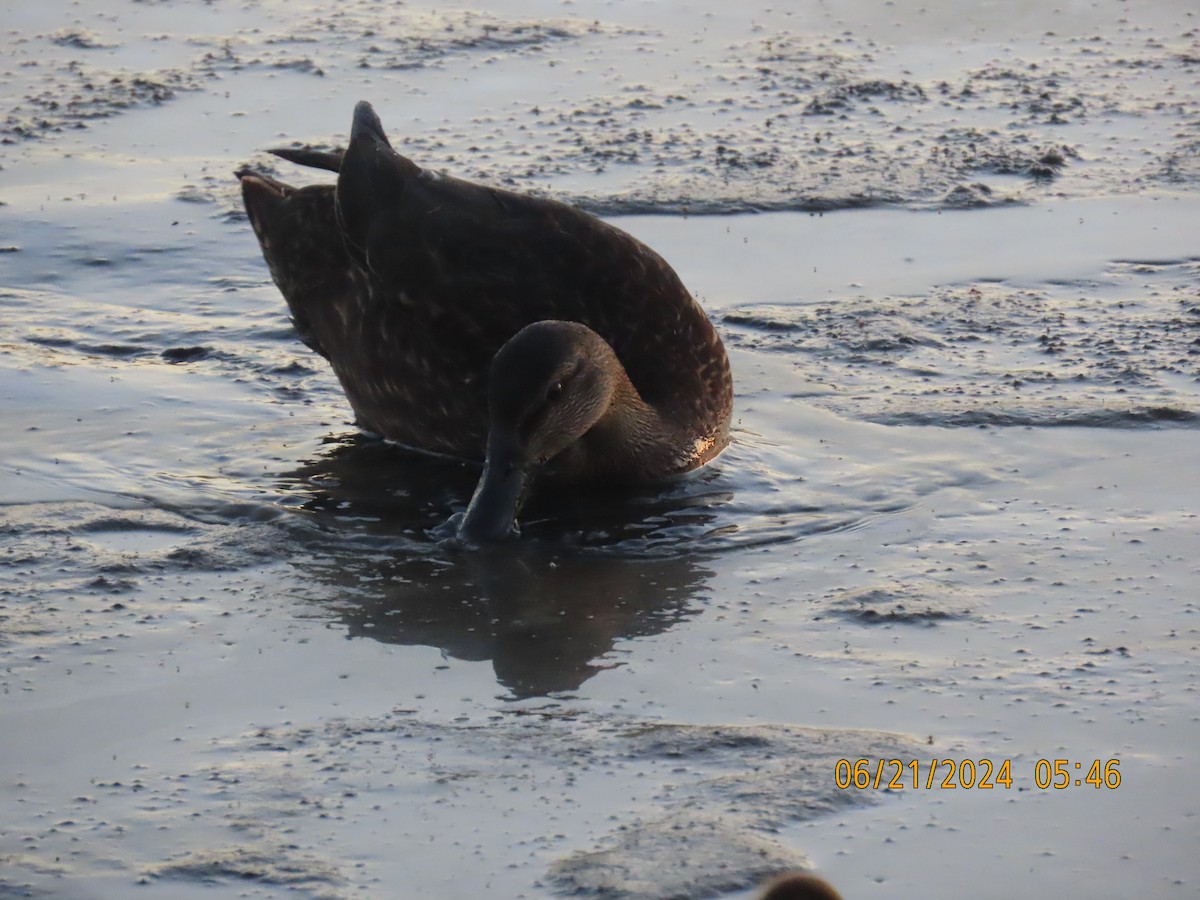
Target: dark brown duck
485, 324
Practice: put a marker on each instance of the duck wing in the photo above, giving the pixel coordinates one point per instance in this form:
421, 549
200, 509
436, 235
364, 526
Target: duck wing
297, 231
476, 264
392, 375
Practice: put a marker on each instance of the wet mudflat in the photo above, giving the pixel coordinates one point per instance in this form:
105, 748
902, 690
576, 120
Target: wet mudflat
956, 266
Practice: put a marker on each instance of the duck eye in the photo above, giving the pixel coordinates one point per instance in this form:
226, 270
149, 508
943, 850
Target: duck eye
555, 391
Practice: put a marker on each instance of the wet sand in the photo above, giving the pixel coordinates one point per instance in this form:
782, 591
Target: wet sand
956, 266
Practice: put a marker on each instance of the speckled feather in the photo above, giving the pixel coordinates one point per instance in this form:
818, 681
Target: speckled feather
409, 282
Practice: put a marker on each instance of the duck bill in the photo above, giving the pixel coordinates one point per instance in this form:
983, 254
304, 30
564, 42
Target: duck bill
492, 513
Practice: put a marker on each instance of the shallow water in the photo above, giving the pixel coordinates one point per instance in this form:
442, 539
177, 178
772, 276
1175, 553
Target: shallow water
958, 520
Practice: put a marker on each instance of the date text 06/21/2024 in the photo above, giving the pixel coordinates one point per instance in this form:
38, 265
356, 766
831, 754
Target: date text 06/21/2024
980, 774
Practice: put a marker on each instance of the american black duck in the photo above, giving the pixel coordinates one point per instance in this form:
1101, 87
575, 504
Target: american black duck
489, 325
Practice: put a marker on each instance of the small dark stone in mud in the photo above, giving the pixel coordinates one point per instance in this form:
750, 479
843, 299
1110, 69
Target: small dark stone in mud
185, 354
800, 886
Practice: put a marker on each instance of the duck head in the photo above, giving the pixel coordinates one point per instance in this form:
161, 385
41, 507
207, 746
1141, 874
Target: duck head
549, 385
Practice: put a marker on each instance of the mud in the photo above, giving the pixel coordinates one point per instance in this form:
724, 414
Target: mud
985, 353
821, 119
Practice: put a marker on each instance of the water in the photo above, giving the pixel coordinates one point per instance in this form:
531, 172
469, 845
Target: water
957, 520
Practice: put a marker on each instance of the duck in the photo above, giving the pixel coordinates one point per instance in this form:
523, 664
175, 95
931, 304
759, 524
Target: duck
800, 886
489, 325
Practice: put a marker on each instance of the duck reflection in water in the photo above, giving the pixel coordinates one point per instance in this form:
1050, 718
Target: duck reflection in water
488, 325
545, 612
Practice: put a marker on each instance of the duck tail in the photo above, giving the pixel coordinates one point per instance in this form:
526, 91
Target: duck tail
366, 125
372, 183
